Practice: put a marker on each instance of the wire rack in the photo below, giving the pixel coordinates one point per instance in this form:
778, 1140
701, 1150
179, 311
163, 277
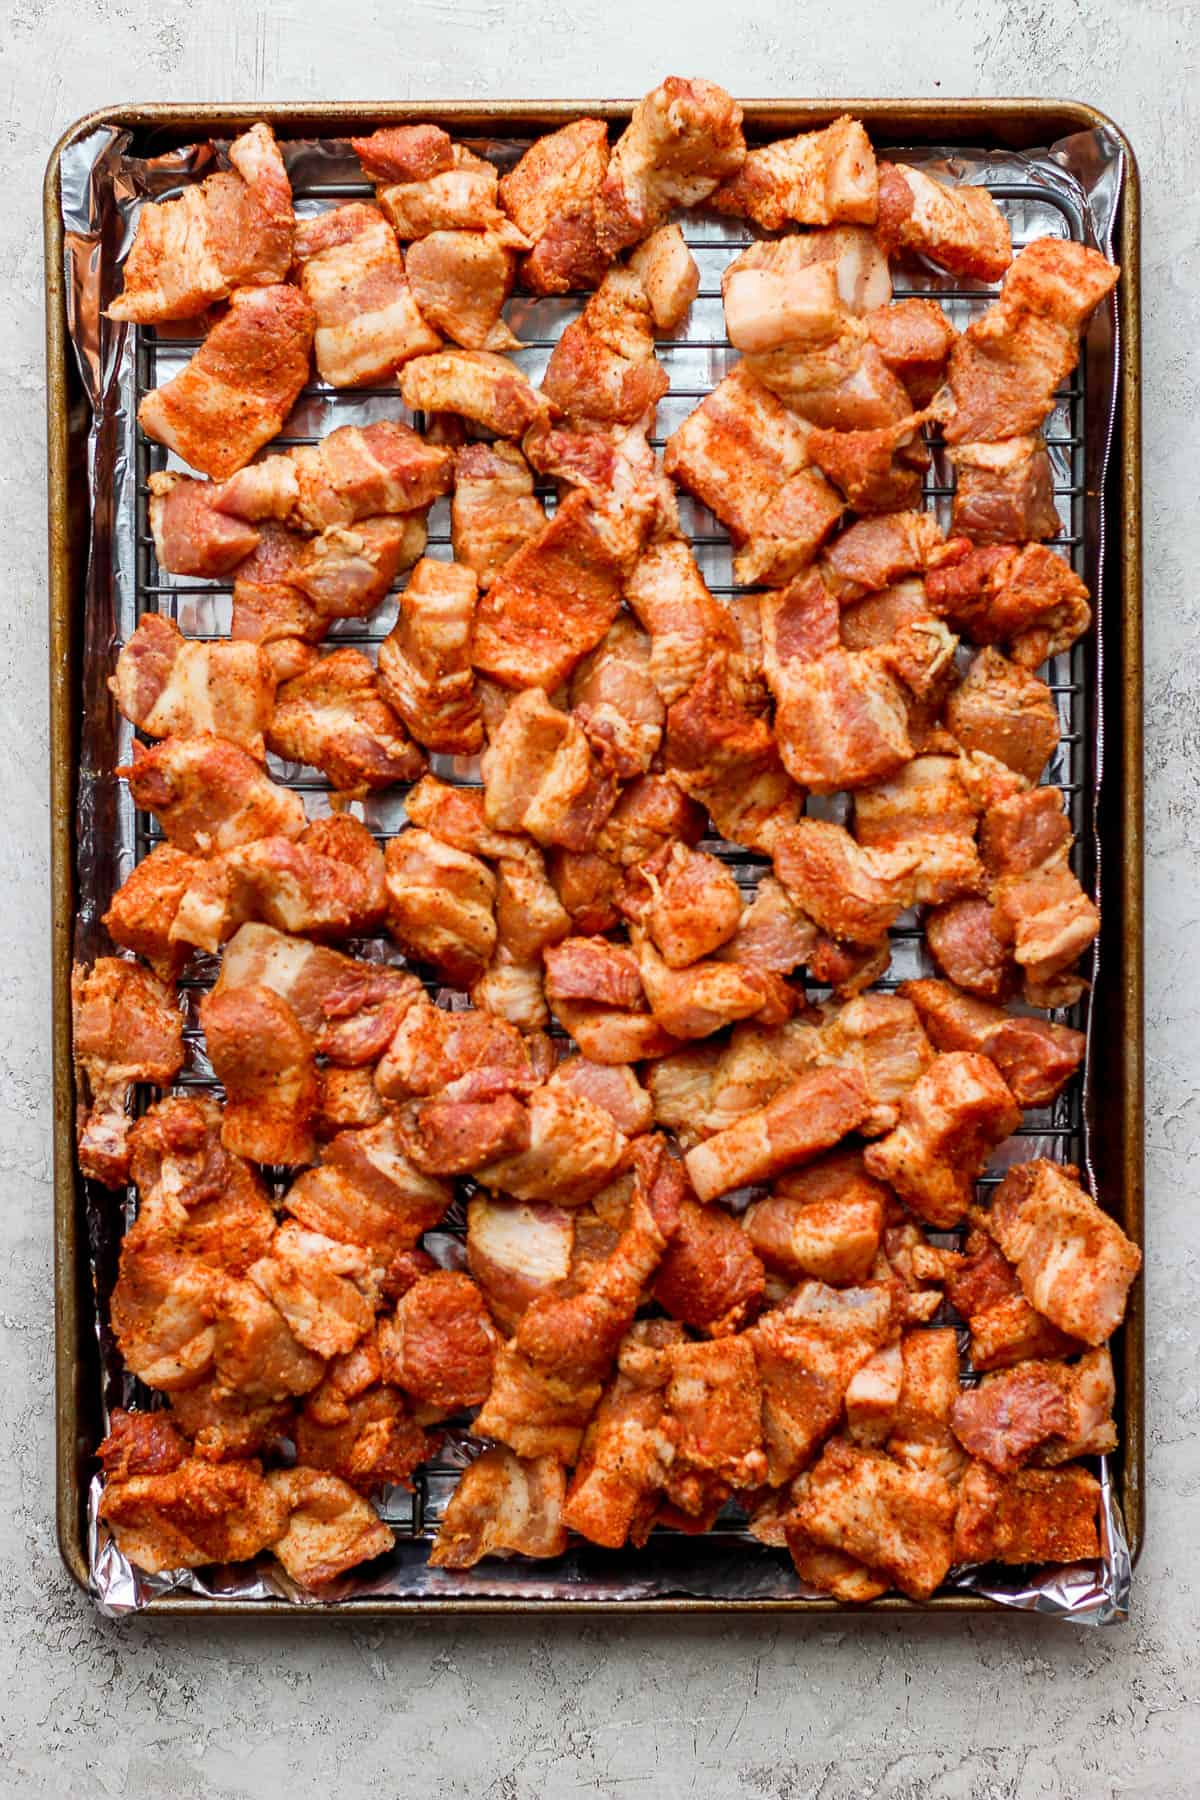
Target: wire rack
695, 360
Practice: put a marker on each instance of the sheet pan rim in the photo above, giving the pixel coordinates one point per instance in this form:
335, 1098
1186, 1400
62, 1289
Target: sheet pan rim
1040, 120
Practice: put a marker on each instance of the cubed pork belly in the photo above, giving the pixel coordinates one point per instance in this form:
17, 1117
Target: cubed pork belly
1026, 598
425, 183
191, 535
366, 1191
773, 934
807, 1351
839, 383
330, 1528
796, 292
195, 1513
266, 1062
823, 177
550, 197
877, 471
603, 370
1045, 1411
351, 1007
336, 718
959, 228
550, 1376
810, 1114
713, 1406
950, 1121
1074, 1263
622, 1467
925, 809
425, 661
494, 510
126, 1029
239, 386
914, 338
376, 1443
710, 1277
824, 1221
1004, 493
746, 457
232, 230
552, 601
290, 591
541, 776
572, 1149
669, 274
966, 943
209, 795
687, 901
683, 140
1005, 711
1035, 1056
699, 1090
482, 386
725, 756
920, 1431
330, 881
880, 1036
614, 695
706, 996
896, 1520
439, 1343
326, 1290
171, 686
1008, 363
595, 989
852, 892
516, 1251
460, 281
1040, 907
504, 1505
357, 472
685, 624
1005, 1329
874, 554
142, 911
1030, 1516
841, 721
368, 322
441, 905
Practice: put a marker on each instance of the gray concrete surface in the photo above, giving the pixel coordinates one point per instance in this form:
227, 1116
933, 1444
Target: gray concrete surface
1009, 1707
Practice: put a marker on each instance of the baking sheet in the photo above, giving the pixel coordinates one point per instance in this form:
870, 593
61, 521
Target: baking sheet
1072, 188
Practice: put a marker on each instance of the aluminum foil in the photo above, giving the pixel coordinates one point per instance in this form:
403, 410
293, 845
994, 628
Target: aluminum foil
104, 187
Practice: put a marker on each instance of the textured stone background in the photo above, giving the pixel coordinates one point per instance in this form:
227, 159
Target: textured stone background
524, 1711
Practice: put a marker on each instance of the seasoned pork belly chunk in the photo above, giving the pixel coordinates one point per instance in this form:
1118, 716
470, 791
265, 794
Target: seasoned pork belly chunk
232, 230
425, 661
550, 196
335, 717
820, 178
126, 1029
239, 387
494, 510
170, 686
368, 322
684, 139
959, 228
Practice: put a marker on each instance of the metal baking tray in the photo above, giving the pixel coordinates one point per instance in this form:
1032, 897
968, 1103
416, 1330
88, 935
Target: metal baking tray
1099, 689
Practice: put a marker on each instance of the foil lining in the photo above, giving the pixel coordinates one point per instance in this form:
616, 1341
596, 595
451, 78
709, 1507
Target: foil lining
104, 187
